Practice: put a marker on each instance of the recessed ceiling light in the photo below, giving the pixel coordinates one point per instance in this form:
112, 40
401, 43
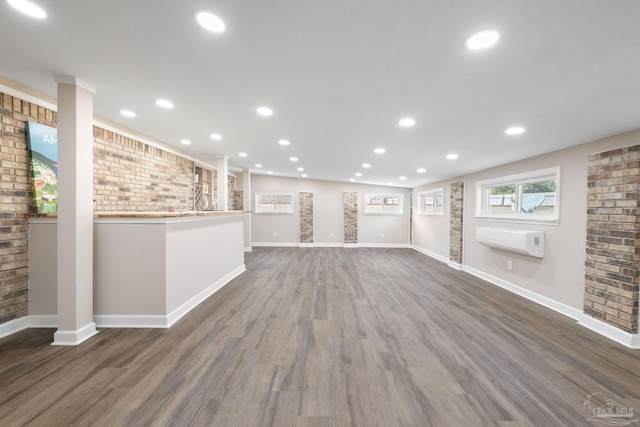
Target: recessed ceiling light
366, 165
264, 111
293, 159
515, 130
283, 142
210, 21
406, 122
452, 156
300, 169
482, 39
258, 165
421, 170
270, 173
352, 179
379, 151
215, 136
304, 175
164, 103
185, 141
242, 154
28, 8
127, 113
403, 178
389, 183
358, 173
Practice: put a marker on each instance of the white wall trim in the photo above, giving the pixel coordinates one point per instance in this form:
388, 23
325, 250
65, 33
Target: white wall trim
74, 337
13, 326
130, 321
43, 321
554, 305
179, 312
329, 245
275, 244
385, 245
307, 245
455, 265
609, 331
17, 93
351, 245
248, 249
431, 254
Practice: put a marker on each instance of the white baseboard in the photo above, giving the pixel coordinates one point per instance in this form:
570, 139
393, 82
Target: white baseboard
13, 326
130, 321
74, 337
248, 249
431, 254
328, 245
276, 244
307, 245
177, 314
384, 245
455, 265
43, 321
526, 293
351, 245
611, 332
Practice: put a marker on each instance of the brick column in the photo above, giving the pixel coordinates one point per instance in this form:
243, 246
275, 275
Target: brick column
456, 216
306, 217
612, 262
350, 217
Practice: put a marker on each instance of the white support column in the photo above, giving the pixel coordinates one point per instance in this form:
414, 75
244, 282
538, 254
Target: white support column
223, 183
75, 212
246, 202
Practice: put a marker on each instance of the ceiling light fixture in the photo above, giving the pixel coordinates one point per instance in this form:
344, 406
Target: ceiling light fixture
358, 174
406, 122
270, 173
366, 165
293, 159
482, 39
185, 141
515, 130
352, 179
264, 111
421, 170
389, 183
403, 178
379, 151
304, 175
28, 8
452, 156
210, 21
215, 137
258, 165
127, 113
300, 169
242, 154
284, 142
164, 103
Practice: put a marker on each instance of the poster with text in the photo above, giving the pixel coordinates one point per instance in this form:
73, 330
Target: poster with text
43, 143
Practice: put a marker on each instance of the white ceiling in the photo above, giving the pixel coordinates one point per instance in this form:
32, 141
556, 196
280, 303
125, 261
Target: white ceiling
339, 75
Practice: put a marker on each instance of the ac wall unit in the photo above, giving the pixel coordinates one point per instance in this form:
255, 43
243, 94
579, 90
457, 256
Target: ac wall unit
519, 241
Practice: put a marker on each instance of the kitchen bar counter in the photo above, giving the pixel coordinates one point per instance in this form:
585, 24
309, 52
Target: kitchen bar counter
150, 268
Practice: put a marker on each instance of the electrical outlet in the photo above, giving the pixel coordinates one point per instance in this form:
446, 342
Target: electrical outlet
509, 265
381, 234
275, 234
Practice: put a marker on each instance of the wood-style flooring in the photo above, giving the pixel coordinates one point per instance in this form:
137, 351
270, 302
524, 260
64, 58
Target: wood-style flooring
327, 337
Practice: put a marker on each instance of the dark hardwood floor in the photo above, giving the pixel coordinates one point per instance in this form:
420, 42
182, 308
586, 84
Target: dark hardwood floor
335, 337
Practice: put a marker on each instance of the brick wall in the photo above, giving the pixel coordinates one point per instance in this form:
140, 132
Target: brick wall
350, 217
456, 213
238, 200
132, 176
612, 266
306, 217
16, 200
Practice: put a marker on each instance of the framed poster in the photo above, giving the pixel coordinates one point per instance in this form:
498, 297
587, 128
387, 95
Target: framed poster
43, 145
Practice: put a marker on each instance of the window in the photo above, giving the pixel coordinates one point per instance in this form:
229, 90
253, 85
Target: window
383, 203
431, 202
531, 196
274, 203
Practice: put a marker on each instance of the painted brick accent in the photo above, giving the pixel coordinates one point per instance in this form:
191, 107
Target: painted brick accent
411, 218
456, 213
612, 266
238, 200
132, 176
306, 217
16, 200
350, 217
231, 188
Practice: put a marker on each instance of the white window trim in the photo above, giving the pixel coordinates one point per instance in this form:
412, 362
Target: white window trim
258, 196
428, 193
521, 178
399, 196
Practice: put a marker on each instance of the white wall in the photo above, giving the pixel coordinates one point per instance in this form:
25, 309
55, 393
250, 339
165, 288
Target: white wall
328, 216
560, 274
431, 232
